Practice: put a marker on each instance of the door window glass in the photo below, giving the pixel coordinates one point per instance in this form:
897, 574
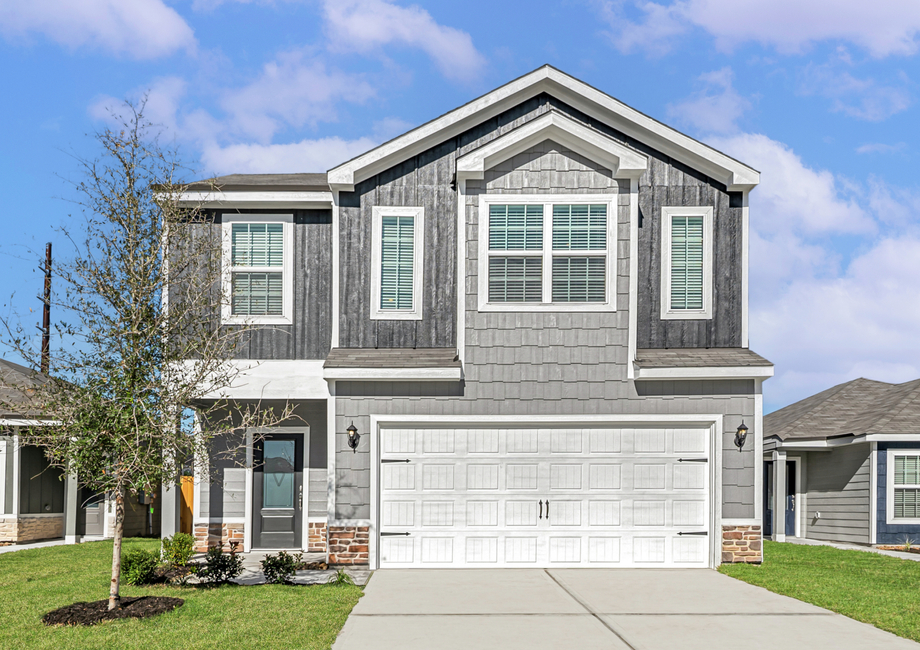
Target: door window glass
278, 474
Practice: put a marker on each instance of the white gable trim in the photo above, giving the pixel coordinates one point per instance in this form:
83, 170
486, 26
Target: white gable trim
618, 158
735, 175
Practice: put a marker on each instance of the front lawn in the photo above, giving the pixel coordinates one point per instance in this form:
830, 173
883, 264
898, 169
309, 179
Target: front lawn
37, 581
871, 588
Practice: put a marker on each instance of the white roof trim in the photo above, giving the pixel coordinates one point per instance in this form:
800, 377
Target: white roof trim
736, 372
618, 158
393, 374
735, 175
845, 440
219, 199
18, 422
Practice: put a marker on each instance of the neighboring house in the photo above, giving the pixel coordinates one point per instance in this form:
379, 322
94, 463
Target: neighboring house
846, 464
529, 317
36, 502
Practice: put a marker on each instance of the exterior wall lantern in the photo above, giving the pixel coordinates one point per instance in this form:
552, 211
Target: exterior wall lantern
353, 437
741, 436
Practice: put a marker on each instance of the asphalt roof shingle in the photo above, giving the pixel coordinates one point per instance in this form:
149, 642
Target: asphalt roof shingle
857, 407
698, 358
14, 379
264, 183
392, 358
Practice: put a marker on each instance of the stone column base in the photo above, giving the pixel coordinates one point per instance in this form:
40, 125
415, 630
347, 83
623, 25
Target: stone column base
742, 544
207, 535
349, 545
316, 537
22, 529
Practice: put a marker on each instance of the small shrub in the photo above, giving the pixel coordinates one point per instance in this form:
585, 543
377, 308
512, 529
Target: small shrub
138, 566
220, 567
178, 549
279, 568
342, 578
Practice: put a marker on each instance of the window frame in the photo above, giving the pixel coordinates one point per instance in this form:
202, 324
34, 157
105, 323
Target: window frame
546, 253
286, 269
418, 259
890, 487
667, 214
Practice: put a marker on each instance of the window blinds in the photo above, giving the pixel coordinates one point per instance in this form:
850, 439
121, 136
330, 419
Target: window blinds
397, 259
515, 227
257, 292
686, 262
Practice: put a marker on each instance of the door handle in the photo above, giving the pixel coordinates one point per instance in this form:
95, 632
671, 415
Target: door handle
547, 510
300, 499
541, 509
793, 502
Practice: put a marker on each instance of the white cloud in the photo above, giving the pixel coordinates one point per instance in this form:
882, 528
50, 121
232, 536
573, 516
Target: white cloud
304, 156
143, 29
364, 25
715, 108
161, 109
879, 147
883, 27
294, 90
860, 98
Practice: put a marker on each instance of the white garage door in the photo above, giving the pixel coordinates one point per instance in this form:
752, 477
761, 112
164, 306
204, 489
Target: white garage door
544, 497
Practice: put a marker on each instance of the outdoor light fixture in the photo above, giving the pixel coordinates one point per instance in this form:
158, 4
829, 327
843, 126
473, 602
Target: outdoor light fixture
741, 436
353, 437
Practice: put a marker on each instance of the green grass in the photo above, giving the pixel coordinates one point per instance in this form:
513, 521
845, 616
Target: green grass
871, 588
36, 581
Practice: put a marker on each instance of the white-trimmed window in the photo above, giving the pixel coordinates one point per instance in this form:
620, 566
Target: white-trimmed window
396, 260
903, 486
686, 262
257, 268
547, 252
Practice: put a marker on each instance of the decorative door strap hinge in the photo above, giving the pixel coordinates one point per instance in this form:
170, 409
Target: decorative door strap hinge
394, 534
391, 460
692, 460
697, 532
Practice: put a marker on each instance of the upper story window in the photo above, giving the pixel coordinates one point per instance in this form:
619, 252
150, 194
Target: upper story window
686, 262
396, 259
903, 486
547, 252
257, 263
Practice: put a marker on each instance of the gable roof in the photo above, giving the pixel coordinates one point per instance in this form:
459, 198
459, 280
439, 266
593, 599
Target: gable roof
264, 183
857, 407
735, 175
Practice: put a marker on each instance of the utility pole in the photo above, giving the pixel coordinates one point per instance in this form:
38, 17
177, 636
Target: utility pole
46, 313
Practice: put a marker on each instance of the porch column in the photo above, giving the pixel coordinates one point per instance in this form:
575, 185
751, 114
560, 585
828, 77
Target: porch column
71, 506
169, 509
779, 496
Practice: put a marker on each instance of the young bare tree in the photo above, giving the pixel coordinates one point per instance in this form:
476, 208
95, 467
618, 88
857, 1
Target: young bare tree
142, 341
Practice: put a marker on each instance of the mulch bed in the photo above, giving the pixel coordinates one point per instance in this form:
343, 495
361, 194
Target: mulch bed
96, 612
890, 547
312, 566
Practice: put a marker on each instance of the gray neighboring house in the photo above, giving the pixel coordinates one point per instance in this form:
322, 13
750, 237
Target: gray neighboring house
514, 336
846, 465
36, 502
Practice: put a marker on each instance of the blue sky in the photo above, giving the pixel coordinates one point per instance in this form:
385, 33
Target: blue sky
819, 95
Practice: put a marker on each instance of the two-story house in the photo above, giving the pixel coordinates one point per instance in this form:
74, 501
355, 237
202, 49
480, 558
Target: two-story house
514, 336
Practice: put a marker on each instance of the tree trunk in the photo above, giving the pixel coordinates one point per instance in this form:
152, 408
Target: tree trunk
114, 596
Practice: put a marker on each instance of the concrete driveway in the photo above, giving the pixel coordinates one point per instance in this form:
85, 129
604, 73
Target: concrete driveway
592, 608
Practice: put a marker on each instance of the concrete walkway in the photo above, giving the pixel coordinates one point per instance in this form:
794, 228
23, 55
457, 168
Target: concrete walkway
531, 609
24, 547
913, 557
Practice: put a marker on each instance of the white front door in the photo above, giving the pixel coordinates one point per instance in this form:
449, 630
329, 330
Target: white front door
544, 497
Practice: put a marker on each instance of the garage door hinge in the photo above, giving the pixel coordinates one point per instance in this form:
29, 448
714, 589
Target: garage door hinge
394, 534
692, 460
391, 460
698, 532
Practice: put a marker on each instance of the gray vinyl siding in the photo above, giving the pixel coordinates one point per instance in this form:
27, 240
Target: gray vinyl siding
838, 487
225, 495
546, 363
319, 499
310, 334
426, 180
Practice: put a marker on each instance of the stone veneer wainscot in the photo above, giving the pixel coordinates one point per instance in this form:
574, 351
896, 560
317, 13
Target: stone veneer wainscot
742, 544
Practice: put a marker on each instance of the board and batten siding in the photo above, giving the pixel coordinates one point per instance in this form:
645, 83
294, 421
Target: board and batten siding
427, 180
310, 334
837, 486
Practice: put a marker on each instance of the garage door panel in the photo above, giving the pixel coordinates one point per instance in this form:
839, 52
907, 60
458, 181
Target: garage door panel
544, 497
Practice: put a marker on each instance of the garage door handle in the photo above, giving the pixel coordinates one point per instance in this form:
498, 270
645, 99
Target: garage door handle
389, 460
692, 460
696, 532
547, 510
394, 534
541, 509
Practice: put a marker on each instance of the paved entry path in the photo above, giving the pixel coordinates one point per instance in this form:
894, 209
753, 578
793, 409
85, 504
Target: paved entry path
531, 609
